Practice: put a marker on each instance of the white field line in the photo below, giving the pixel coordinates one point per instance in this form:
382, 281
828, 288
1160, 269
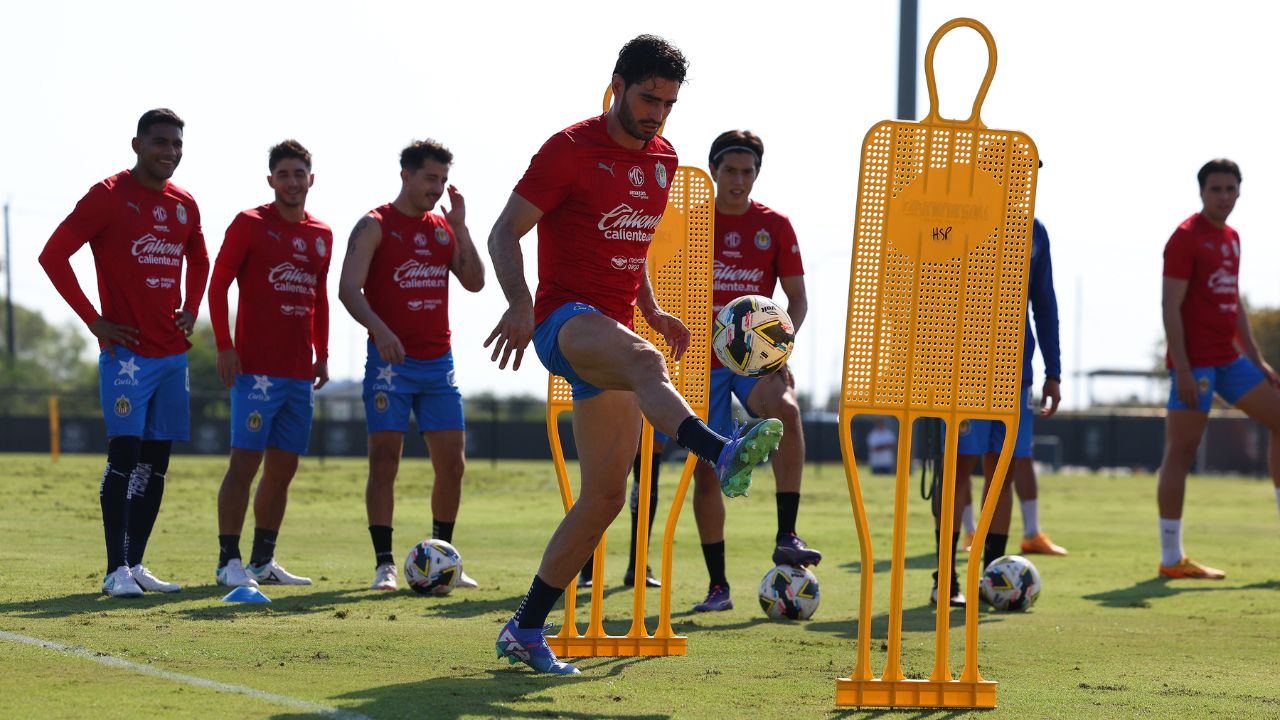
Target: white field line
115, 662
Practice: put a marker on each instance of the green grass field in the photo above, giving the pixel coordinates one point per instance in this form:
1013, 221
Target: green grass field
1107, 639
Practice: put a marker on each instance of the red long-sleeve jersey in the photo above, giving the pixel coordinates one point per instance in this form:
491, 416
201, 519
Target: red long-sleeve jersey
139, 238
281, 269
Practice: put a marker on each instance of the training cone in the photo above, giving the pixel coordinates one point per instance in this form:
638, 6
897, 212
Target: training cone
246, 594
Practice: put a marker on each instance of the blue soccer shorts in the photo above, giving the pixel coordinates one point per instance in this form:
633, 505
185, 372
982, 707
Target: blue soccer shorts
146, 397
270, 411
546, 342
1230, 381
426, 388
978, 437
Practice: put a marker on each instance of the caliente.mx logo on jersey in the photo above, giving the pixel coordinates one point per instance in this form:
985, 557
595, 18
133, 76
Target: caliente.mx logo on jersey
627, 223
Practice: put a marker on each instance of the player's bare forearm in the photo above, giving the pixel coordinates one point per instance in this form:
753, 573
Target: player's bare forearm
646, 301
467, 265
508, 266
797, 299
1174, 293
355, 270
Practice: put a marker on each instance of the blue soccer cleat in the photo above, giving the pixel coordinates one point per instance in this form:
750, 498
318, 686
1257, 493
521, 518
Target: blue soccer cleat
717, 600
747, 447
530, 647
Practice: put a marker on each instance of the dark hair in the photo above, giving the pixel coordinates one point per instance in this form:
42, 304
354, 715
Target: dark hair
736, 141
647, 56
1220, 165
419, 151
288, 149
159, 116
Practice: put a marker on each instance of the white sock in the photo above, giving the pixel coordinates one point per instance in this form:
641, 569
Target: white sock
1170, 542
971, 527
1030, 518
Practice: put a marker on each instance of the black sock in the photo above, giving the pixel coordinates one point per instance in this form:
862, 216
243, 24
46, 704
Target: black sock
788, 508
113, 495
381, 535
993, 548
537, 604
694, 436
228, 549
264, 546
146, 490
955, 540
441, 530
635, 503
713, 554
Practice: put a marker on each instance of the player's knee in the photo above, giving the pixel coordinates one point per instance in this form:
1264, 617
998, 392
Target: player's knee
606, 504
647, 362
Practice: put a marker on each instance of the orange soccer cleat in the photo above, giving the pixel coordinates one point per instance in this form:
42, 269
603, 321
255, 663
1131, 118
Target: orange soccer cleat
1040, 544
1188, 568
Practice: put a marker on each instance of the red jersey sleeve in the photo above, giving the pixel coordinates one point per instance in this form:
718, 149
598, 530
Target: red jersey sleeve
197, 265
230, 259
551, 176
90, 216
789, 263
1179, 255
320, 318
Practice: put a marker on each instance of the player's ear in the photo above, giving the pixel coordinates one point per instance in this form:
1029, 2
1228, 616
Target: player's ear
619, 86
311, 180
136, 144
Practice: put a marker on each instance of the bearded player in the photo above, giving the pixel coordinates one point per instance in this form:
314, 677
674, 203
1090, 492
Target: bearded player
596, 192
140, 227
278, 255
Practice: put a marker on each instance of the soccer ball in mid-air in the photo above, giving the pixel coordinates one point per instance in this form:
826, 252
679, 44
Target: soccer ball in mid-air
1010, 582
753, 336
433, 567
790, 592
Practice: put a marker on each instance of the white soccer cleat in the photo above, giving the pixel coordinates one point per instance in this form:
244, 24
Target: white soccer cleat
121, 584
233, 575
466, 581
385, 577
273, 574
150, 582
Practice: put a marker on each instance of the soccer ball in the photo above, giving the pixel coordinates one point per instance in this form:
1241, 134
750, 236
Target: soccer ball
789, 592
1010, 582
433, 567
753, 336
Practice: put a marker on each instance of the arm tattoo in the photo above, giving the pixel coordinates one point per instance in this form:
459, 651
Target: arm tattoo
355, 232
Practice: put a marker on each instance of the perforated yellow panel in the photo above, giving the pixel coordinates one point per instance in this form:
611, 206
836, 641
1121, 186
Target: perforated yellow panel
937, 290
937, 301
680, 271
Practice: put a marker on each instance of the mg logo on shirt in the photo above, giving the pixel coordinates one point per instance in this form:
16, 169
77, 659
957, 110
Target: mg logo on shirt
420, 239
159, 214
636, 175
299, 245
732, 239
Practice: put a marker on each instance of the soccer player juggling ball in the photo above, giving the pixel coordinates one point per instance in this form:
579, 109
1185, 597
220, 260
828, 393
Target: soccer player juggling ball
595, 222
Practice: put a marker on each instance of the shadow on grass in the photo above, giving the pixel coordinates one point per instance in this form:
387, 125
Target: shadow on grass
922, 618
508, 692
453, 606
904, 713
923, 561
1141, 594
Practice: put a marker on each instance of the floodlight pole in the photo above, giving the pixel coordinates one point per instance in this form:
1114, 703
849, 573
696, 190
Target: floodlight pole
8, 287
908, 32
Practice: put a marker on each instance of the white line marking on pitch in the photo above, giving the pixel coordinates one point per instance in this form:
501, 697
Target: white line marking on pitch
112, 661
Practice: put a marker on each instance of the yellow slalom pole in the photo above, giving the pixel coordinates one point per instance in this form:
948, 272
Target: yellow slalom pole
638, 629
55, 435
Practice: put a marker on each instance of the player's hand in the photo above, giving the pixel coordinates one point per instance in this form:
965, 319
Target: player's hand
1270, 372
111, 333
185, 320
785, 373
1051, 394
321, 372
1184, 382
457, 212
671, 330
228, 366
513, 333
390, 349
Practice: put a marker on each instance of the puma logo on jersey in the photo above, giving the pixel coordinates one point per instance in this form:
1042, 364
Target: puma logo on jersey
136, 208
608, 168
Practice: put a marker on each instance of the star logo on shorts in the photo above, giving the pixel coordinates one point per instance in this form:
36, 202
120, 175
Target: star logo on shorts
129, 367
263, 383
387, 374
